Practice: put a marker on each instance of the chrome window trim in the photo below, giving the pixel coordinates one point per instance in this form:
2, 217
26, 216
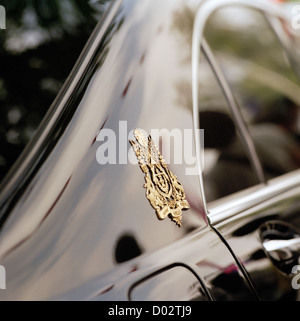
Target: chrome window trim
232, 205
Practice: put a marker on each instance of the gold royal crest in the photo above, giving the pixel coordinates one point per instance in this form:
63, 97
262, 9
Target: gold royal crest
164, 192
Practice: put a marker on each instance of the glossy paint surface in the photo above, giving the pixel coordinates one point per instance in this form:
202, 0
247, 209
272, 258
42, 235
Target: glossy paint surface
71, 213
76, 223
265, 239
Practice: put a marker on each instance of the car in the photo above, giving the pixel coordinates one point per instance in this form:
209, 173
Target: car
167, 168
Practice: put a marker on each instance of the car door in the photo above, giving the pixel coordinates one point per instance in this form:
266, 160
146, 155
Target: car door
252, 185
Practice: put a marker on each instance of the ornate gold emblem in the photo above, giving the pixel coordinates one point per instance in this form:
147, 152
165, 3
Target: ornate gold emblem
164, 192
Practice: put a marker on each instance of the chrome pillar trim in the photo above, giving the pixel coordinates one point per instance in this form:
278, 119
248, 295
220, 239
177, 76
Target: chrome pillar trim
236, 113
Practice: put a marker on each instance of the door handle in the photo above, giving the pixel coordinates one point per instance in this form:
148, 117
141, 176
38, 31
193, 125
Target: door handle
281, 243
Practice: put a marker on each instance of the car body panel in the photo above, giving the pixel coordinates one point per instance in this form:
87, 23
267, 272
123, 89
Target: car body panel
76, 229
69, 198
244, 234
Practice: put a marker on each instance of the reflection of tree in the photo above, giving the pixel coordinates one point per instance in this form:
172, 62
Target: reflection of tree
183, 21
183, 25
39, 47
184, 94
49, 13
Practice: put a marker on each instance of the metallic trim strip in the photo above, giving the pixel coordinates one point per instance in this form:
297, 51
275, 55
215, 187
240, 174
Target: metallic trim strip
227, 207
236, 113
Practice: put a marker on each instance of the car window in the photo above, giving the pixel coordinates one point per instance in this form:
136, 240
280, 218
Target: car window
225, 156
263, 81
